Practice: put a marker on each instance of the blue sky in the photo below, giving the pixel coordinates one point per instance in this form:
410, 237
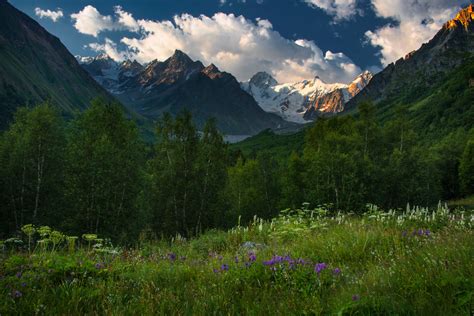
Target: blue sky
359, 34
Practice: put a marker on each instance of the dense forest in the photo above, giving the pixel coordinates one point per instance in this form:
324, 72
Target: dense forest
95, 174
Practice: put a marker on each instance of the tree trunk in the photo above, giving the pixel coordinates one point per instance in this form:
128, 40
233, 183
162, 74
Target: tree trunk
39, 180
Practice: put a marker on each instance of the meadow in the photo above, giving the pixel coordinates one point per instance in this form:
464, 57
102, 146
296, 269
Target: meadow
303, 262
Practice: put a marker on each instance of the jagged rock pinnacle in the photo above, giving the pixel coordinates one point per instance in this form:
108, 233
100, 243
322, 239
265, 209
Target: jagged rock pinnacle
464, 18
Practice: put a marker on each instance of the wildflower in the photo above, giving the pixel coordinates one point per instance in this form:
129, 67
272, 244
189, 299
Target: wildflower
336, 271
248, 264
320, 267
17, 294
172, 256
99, 266
427, 232
252, 256
23, 284
356, 297
19, 274
215, 270
224, 267
420, 232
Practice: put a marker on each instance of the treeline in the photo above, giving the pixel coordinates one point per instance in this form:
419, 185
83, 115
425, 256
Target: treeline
94, 174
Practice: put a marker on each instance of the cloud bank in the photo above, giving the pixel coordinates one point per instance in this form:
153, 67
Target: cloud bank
233, 43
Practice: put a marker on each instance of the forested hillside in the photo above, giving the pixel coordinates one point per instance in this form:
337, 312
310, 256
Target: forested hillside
95, 174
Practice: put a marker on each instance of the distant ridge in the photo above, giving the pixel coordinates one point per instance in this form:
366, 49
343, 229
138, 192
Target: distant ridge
452, 46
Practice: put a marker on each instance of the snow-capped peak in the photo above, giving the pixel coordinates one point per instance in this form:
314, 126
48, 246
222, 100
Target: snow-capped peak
263, 79
292, 100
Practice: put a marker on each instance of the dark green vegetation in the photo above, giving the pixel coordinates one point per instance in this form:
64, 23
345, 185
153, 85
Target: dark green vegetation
94, 174
303, 262
36, 67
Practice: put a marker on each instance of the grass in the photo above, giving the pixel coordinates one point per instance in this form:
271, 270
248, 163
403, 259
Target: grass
467, 202
304, 262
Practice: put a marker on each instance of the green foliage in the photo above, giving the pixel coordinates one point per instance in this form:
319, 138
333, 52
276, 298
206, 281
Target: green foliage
187, 175
253, 189
466, 169
104, 170
31, 177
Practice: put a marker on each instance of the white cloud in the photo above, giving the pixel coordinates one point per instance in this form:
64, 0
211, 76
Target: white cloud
89, 21
417, 22
126, 20
109, 47
48, 14
339, 9
236, 45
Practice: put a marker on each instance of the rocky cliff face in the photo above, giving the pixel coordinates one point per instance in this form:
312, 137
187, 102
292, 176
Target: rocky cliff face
423, 68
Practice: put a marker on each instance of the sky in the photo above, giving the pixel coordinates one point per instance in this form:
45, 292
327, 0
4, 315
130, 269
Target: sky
290, 39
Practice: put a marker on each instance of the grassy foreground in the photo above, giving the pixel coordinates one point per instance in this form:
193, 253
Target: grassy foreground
416, 262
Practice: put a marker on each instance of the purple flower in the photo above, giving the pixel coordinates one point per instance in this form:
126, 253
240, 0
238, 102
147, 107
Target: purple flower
248, 264
420, 232
17, 294
172, 256
269, 262
99, 266
301, 261
23, 284
220, 258
215, 270
19, 274
356, 297
336, 271
404, 233
224, 267
427, 232
320, 267
252, 256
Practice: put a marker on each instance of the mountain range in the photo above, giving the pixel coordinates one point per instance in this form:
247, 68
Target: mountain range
180, 83
305, 100
433, 87
35, 67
